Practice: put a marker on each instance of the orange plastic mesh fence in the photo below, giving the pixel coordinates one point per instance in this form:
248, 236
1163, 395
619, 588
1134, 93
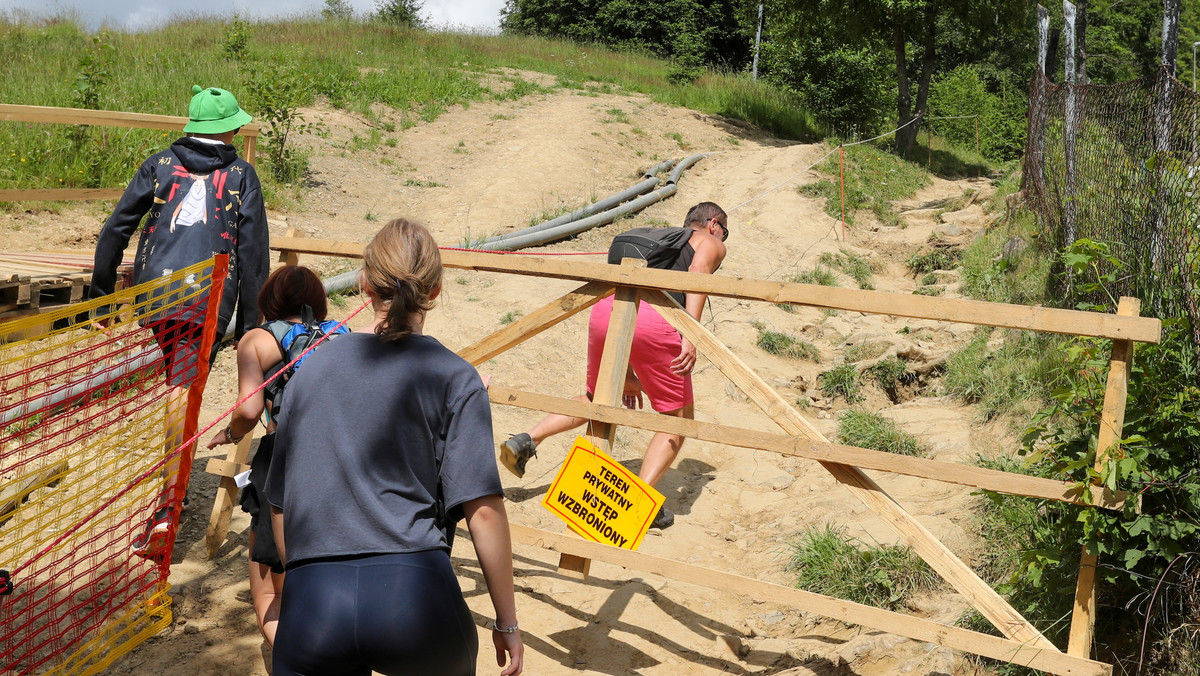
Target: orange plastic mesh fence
92, 415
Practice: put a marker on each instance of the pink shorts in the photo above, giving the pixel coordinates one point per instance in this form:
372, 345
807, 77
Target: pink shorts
655, 344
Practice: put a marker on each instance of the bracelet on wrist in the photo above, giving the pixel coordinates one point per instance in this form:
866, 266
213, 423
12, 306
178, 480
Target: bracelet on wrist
505, 630
229, 435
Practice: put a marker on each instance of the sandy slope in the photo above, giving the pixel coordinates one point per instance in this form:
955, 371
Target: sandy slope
498, 165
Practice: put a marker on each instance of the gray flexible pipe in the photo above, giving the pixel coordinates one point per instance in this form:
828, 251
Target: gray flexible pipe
597, 207
51, 400
576, 227
603, 205
687, 162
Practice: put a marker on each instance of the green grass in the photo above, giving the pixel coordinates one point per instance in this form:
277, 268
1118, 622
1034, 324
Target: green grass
350, 64
841, 381
1014, 378
857, 267
510, 317
874, 177
871, 430
829, 563
991, 273
930, 290
888, 372
418, 183
785, 345
820, 275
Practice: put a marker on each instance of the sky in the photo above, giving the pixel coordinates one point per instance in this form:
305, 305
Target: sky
144, 14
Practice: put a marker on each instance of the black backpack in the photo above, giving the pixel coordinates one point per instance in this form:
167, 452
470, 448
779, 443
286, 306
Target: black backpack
659, 247
293, 339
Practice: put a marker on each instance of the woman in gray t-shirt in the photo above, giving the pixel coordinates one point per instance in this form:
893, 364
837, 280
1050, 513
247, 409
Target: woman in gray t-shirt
383, 443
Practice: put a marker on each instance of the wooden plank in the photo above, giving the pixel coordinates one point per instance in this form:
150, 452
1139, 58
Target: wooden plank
290, 257
250, 152
62, 194
16, 492
229, 468
1027, 317
222, 511
535, 322
1112, 422
916, 628
801, 447
990, 604
100, 118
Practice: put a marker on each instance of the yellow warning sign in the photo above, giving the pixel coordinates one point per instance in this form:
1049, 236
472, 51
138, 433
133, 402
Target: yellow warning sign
600, 499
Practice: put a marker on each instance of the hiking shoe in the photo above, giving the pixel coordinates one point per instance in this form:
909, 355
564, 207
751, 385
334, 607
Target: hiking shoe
517, 451
154, 538
663, 519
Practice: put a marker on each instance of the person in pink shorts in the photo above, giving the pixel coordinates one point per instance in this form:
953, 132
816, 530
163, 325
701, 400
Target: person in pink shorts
661, 361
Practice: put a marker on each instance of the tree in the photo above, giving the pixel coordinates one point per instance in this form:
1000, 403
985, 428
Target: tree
405, 13
337, 9
693, 33
908, 29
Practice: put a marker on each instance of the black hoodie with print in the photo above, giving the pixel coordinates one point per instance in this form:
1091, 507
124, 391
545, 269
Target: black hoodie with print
202, 199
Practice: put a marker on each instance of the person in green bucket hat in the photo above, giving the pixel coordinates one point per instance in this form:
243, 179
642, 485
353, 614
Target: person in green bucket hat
197, 199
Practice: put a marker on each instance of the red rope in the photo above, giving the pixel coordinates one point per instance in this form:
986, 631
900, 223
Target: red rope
528, 253
177, 450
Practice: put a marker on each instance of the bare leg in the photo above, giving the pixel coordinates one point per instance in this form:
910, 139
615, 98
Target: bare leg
176, 415
556, 423
663, 449
266, 591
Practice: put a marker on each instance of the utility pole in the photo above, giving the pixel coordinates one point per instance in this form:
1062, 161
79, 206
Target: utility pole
757, 42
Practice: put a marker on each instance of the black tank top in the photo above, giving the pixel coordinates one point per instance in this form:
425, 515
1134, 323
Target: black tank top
682, 264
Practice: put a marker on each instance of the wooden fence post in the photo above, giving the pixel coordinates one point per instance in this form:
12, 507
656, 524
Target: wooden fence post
290, 257
1112, 420
610, 383
234, 463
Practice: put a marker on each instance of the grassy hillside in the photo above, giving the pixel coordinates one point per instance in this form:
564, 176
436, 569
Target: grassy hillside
349, 64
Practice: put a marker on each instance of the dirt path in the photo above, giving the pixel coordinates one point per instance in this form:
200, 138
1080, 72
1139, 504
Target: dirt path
494, 167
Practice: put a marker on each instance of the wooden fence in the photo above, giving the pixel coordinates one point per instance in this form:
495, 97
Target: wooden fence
1021, 643
96, 118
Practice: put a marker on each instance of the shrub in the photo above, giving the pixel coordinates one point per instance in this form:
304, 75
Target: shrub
275, 91
871, 430
337, 10
841, 381
827, 562
237, 38
788, 346
937, 258
406, 13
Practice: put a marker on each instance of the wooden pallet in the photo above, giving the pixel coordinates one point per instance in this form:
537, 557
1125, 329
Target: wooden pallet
33, 282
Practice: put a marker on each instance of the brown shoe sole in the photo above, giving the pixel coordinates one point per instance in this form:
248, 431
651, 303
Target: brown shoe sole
509, 459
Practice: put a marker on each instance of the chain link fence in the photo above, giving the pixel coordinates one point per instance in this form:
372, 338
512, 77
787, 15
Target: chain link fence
1121, 164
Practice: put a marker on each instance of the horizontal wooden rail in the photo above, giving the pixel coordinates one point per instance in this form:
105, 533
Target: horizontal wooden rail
916, 628
99, 118
38, 194
937, 470
1027, 317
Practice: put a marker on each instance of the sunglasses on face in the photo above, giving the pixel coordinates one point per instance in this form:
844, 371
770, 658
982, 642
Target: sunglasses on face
724, 230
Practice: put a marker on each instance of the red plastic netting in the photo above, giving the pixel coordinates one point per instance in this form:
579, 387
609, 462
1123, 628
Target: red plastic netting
91, 424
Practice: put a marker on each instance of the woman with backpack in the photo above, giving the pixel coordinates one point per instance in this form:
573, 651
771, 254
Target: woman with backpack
384, 443
292, 301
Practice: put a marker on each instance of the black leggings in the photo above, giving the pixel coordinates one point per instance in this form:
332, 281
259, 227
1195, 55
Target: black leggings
396, 614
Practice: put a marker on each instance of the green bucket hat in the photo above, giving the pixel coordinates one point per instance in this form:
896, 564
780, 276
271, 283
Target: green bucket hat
214, 111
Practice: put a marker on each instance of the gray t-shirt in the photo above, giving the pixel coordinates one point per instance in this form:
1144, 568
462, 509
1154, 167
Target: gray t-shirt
363, 425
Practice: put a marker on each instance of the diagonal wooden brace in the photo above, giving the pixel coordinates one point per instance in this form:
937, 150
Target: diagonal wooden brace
222, 511
924, 543
537, 321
